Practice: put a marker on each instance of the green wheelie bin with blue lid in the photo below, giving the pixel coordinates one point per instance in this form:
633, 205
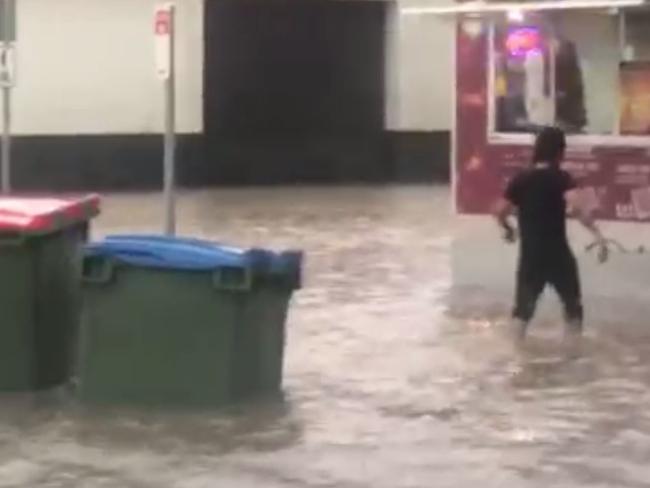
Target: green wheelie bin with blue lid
182, 322
41, 251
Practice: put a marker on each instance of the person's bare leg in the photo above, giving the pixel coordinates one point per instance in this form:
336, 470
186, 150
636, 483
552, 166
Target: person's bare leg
519, 330
530, 283
573, 337
567, 283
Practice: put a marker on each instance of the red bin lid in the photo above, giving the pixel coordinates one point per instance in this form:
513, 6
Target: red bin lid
40, 215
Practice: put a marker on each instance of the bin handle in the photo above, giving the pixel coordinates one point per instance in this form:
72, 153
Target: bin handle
103, 276
12, 240
220, 281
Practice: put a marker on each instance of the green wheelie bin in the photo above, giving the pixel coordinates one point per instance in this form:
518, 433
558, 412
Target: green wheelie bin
182, 322
41, 251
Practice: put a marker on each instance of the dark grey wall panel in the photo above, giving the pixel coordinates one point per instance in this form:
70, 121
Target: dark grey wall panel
134, 162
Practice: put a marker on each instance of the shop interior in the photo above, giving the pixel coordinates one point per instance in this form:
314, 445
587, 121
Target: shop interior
587, 71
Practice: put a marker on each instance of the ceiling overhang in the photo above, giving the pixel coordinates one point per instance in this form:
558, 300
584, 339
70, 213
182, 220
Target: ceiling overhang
483, 7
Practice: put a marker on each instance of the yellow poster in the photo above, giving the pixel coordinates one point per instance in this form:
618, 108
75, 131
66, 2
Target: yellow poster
635, 98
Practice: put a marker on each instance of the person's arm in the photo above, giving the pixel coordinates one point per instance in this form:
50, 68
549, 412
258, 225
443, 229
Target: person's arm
503, 209
505, 206
577, 208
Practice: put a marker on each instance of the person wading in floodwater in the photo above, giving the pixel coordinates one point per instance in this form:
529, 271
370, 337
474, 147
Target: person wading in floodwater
540, 196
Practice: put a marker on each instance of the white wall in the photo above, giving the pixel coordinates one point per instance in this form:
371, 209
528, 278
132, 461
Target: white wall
87, 67
419, 71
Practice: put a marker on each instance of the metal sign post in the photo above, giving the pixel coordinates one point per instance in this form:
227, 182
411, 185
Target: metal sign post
164, 28
7, 80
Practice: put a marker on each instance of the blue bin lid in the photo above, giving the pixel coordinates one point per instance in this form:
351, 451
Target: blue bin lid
164, 239
169, 253
190, 254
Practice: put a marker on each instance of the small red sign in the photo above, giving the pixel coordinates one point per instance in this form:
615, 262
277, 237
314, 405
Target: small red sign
162, 23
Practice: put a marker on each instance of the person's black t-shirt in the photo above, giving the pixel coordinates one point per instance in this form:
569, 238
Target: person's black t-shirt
538, 194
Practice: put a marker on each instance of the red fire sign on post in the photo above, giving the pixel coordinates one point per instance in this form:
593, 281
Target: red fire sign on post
163, 31
163, 22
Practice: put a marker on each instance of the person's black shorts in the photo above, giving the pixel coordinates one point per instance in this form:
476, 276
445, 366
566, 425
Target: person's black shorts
561, 272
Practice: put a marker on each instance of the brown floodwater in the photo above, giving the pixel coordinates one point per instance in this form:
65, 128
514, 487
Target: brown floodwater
400, 371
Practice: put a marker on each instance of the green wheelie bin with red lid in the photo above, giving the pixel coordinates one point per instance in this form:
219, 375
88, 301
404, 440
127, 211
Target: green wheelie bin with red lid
41, 252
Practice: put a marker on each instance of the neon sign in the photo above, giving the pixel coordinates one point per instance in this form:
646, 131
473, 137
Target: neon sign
523, 40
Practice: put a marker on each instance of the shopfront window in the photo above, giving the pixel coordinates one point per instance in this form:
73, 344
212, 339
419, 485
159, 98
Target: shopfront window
637, 37
587, 72
523, 72
635, 75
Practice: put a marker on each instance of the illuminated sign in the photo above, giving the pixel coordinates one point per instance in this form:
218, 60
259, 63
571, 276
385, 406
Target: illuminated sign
523, 40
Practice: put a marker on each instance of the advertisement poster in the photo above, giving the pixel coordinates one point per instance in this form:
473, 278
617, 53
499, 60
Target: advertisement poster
635, 98
616, 179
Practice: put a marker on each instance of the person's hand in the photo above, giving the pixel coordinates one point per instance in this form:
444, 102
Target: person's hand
603, 251
509, 235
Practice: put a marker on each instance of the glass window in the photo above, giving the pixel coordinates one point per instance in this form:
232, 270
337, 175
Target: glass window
557, 68
635, 75
523, 87
637, 36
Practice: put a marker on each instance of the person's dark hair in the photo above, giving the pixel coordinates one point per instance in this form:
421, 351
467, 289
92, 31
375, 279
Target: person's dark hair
550, 145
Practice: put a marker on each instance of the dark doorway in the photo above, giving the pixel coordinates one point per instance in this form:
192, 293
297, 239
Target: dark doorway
294, 89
